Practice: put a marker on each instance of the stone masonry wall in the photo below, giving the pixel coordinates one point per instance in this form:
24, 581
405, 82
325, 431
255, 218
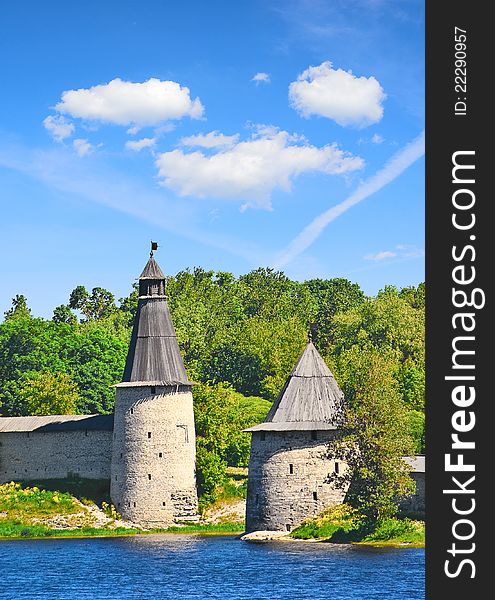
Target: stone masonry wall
153, 480
414, 505
287, 480
53, 455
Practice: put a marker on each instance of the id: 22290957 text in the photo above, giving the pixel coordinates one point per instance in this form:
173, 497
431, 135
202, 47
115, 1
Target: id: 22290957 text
460, 73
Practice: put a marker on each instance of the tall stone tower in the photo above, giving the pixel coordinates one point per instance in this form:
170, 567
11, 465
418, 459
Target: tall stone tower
153, 479
288, 468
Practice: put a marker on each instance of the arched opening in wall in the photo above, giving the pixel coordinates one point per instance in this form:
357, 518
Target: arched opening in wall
288, 527
134, 504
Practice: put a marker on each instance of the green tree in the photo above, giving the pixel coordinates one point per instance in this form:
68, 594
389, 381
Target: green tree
48, 394
331, 296
63, 314
19, 309
100, 303
221, 414
375, 434
93, 357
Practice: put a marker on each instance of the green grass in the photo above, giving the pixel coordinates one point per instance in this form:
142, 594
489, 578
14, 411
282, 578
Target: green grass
342, 524
25, 503
205, 528
11, 529
86, 490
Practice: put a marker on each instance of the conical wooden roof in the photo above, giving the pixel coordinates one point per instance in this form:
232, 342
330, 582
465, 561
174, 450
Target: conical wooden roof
310, 398
152, 270
154, 357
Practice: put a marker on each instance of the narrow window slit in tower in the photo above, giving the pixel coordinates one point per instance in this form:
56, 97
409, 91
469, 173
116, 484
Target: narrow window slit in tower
121, 455
287, 527
149, 434
315, 496
164, 504
291, 469
132, 411
337, 467
149, 476
160, 454
134, 504
86, 433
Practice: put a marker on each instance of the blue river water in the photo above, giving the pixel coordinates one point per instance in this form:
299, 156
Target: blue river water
205, 567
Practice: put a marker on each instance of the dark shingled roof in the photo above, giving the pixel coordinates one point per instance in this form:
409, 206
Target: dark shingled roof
310, 398
154, 354
152, 270
57, 423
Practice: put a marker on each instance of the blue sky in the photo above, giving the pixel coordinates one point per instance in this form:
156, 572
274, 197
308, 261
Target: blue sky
237, 134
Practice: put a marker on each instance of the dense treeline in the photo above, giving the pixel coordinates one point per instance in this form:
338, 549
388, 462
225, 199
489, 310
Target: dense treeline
244, 333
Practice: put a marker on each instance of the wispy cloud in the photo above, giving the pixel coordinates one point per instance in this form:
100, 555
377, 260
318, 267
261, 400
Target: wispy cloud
399, 162
92, 180
261, 78
380, 255
82, 147
138, 145
58, 127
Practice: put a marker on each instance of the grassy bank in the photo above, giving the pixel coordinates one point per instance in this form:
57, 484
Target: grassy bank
32, 512
342, 524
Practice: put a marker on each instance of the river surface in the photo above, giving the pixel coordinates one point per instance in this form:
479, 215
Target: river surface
187, 566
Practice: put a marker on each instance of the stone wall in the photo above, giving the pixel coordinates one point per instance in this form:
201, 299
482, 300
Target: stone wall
414, 505
153, 480
54, 455
288, 479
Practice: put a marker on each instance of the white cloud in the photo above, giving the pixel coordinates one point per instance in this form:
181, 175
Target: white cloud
399, 162
214, 139
251, 170
261, 78
381, 255
133, 130
338, 95
127, 103
138, 145
58, 127
377, 139
82, 147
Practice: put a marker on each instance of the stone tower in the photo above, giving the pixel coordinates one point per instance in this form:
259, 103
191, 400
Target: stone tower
288, 470
153, 479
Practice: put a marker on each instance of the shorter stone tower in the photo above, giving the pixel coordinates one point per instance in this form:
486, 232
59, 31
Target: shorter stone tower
288, 467
153, 479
